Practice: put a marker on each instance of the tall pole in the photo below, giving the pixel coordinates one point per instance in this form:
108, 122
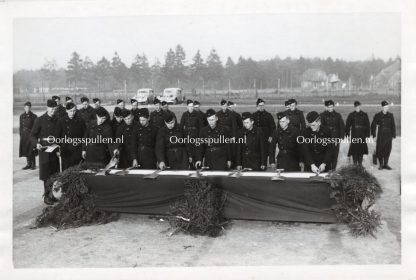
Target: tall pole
278, 85
125, 89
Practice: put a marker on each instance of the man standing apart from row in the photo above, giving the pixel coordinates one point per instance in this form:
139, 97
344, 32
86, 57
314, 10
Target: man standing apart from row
43, 129
26, 148
357, 129
383, 124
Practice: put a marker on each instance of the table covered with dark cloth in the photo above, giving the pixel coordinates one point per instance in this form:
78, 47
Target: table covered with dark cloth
257, 197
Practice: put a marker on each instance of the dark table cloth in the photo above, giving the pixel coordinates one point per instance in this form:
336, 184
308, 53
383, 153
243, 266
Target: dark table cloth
297, 198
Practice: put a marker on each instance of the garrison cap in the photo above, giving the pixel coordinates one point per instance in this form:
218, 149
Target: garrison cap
101, 112
223, 102
291, 101
164, 103
95, 100
329, 103
210, 113
384, 103
189, 101
156, 101
69, 106
259, 101
286, 103
55, 97
357, 103
144, 112
196, 102
246, 115
51, 103
281, 115
68, 99
168, 118
312, 116
117, 112
132, 101
125, 113
28, 104
119, 101
230, 103
84, 99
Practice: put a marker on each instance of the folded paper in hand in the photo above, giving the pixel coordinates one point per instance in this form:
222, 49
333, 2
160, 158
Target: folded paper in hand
51, 148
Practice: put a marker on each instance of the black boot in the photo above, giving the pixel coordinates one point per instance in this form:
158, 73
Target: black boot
47, 199
381, 163
386, 166
360, 160
33, 163
27, 164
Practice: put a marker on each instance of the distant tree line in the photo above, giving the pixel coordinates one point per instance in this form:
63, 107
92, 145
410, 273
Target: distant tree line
199, 73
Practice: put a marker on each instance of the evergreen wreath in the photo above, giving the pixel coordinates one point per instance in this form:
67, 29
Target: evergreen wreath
355, 191
200, 211
75, 208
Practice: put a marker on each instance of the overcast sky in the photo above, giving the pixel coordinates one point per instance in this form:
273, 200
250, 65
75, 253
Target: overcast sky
344, 36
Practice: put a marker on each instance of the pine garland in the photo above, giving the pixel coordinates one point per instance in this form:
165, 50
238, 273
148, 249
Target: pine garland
200, 212
76, 205
355, 191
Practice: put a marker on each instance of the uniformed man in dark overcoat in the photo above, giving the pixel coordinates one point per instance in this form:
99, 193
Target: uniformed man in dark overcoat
197, 109
191, 122
72, 127
285, 137
296, 118
26, 148
251, 148
98, 153
121, 104
135, 109
87, 113
42, 134
333, 121
357, 129
97, 104
60, 111
264, 120
166, 111
217, 154
383, 124
237, 116
171, 151
315, 146
117, 119
157, 116
226, 118
144, 141
125, 132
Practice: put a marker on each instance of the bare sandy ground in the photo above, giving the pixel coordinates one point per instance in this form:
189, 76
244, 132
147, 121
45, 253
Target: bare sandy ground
136, 240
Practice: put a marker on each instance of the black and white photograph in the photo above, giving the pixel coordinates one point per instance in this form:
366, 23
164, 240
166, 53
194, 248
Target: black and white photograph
201, 140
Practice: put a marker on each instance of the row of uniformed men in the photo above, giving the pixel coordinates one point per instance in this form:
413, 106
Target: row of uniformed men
148, 140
